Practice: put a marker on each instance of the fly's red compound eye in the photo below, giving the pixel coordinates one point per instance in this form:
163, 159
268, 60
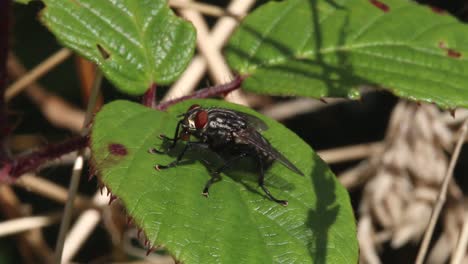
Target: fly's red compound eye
201, 118
193, 107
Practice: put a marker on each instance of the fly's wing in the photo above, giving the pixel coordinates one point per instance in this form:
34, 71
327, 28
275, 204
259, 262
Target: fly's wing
253, 121
257, 140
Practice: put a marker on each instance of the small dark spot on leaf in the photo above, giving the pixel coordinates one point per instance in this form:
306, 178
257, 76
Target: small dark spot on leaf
450, 52
453, 53
380, 5
117, 149
104, 53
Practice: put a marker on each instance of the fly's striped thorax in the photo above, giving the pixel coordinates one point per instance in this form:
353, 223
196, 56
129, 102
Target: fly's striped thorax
225, 120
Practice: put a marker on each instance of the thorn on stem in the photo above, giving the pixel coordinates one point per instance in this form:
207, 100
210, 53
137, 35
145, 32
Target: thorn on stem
150, 250
100, 186
139, 233
129, 220
452, 112
112, 198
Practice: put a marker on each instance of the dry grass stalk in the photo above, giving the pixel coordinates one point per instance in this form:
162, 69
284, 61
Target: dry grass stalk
402, 181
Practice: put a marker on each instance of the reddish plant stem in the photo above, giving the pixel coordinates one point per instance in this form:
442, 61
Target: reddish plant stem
14, 168
211, 91
5, 21
149, 98
34, 160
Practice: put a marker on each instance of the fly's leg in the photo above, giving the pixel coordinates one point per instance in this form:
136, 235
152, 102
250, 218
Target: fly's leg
261, 183
216, 175
180, 156
174, 141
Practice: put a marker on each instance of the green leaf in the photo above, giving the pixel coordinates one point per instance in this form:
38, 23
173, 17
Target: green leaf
135, 43
327, 48
236, 223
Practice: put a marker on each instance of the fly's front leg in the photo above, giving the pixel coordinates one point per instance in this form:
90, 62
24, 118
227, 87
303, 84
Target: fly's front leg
216, 175
180, 156
174, 141
261, 183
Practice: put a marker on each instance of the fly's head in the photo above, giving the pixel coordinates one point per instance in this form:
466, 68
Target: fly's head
194, 122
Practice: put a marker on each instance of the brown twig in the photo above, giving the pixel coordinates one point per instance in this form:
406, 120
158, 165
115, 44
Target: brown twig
219, 35
442, 196
21, 224
41, 69
462, 243
77, 169
206, 9
5, 24
59, 112
31, 241
357, 175
86, 71
18, 166
350, 153
217, 66
83, 227
216, 90
51, 190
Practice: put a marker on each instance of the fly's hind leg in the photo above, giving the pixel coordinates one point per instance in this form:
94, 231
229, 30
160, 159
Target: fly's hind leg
216, 175
261, 183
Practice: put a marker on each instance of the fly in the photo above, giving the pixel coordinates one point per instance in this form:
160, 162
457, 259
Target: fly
231, 134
